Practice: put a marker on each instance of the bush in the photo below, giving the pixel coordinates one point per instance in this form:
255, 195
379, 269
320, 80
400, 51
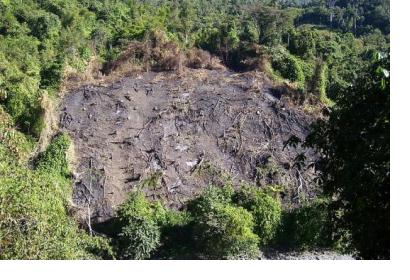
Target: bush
197, 59
306, 226
266, 211
53, 159
251, 32
140, 227
176, 237
139, 238
290, 68
19, 80
15, 144
319, 82
302, 43
222, 230
34, 220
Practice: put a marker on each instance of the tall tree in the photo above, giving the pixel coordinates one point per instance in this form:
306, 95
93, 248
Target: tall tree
355, 144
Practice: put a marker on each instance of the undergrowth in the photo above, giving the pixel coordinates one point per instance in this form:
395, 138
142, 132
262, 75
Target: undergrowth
219, 224
34, 203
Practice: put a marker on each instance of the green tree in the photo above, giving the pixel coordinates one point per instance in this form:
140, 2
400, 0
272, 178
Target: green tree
355, 144
188, 16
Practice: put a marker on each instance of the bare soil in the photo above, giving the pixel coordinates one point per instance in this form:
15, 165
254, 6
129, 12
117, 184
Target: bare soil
171, 135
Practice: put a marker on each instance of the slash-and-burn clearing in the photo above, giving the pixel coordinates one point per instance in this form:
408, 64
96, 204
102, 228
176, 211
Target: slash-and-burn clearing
171, 134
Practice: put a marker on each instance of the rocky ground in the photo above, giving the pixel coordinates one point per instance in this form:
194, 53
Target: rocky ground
173, 134
308, 255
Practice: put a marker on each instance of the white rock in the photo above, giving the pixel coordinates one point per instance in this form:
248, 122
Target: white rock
181, 148
192, 163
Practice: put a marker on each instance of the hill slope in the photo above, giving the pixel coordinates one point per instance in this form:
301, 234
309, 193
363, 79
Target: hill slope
174, 134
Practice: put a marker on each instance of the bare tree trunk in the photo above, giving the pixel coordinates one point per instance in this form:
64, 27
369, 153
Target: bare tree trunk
331, 5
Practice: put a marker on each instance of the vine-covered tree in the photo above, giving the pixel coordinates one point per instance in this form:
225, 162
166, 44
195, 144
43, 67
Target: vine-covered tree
355, 143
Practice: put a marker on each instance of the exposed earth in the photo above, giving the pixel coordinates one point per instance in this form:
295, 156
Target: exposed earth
173, 134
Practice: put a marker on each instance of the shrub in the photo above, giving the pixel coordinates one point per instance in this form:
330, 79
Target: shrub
53, 159
306, 227
265, 209
197, 58
319, 82
251, 32
136, 206
34, 220
222, 230
140, 227
19, 80
14, 143
176, 236
140, 237
290, 68
302, 43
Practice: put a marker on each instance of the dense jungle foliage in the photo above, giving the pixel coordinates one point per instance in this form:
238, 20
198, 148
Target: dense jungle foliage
333, 50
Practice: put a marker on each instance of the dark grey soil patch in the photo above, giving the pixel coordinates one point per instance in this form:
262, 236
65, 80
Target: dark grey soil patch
172, 135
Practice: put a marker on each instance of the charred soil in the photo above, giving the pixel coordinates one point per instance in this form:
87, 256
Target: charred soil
172, 134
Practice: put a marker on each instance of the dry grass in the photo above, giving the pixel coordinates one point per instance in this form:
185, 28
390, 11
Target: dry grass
157, 53
71, 157
50, 120
73, 78
93, 75
197, 59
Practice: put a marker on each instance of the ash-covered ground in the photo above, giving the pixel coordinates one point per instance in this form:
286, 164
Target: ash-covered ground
172, 135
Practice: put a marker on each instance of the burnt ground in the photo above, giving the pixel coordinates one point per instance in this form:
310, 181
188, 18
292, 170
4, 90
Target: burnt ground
173, 134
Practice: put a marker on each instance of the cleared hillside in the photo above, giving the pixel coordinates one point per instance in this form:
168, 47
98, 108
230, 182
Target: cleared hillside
173, 134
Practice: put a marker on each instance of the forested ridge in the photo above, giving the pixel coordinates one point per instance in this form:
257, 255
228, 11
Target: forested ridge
332, 55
